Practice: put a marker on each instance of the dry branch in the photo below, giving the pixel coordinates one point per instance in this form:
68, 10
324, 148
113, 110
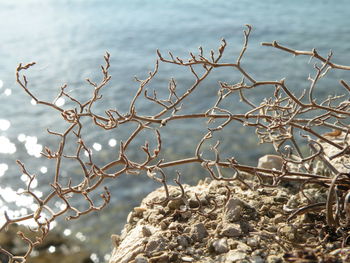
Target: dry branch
278, 120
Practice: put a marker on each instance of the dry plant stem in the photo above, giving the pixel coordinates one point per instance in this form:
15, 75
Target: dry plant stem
279, 120
312, 53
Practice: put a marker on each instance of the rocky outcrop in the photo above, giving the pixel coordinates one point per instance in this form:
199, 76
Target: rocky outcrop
243, 224
167, 232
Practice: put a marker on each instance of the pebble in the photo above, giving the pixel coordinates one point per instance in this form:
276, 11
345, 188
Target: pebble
182, 241
173, 225
220, 245
139, 210
140, 259
163, 225
253, 242
243, 247
199, 232
187, 259
233, 209
273, 259
235, 256
146, 232
155, 244
257, 259
175, 204
270, 161
231, 230
278, 218
186, 215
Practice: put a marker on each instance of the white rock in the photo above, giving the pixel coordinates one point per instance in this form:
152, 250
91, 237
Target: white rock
220, 246
131, 245
235, 256
233, 209
270, 161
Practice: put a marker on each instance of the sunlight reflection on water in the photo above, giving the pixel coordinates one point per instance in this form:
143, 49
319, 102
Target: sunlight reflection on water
4, 124
22, 201
112, 142
97, 147
3, 168
6, 146
67, 232
25, 179
43, 169
32, 147
60, 102
8, 92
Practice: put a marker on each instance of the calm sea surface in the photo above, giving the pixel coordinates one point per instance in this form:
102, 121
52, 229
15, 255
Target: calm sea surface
68, 39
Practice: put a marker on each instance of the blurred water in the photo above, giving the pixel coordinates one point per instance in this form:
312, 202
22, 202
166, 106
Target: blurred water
68, 38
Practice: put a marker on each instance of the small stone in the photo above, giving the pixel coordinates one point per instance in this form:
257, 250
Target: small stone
173, 225
187, 230
243, 247
155, 244
187, 259
220, 245
273, 259
175, 204
193, 202
140, 259
139, 210
233, 209
231, 230
186, 215
146, 232
163, 225
280, 199
278, 219
155, 218
270, 161
183, 241
253, 242
199, 232
256, 259
235, 256
115, 240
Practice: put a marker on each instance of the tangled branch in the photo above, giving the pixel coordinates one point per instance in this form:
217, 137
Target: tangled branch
283, 119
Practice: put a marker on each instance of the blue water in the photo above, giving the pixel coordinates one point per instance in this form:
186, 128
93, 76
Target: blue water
68, 39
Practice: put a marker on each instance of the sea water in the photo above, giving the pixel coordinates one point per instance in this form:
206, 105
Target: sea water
68, 39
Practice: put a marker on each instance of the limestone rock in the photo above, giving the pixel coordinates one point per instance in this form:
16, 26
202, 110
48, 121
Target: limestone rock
270, 161
220, 245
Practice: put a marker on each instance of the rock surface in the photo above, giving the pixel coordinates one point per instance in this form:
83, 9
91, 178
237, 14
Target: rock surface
259, 232
242, 225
